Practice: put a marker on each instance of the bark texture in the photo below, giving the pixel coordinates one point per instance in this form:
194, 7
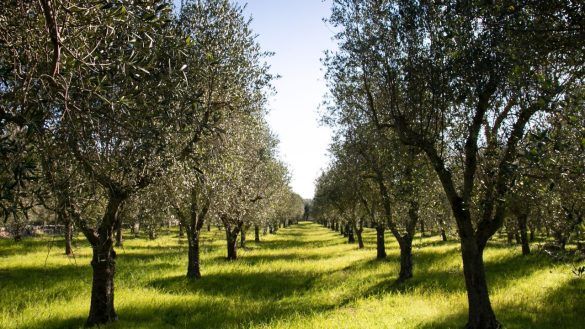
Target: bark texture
101, 310
193, 265
405, 258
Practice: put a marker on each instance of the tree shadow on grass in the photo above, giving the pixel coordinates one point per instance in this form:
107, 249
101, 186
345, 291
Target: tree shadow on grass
69, 323
214, 314
33, 244
560, 311
43, 285
430, 277
253, 285
433, 243
47, 284
206, 313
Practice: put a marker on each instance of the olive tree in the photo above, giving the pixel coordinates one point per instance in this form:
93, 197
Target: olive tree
461, 81
123, 98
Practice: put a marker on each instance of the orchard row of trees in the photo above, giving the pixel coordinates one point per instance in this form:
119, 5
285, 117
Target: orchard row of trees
466, 116
118, 110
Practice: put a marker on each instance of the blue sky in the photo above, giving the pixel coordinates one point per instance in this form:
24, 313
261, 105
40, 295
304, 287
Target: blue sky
294, 30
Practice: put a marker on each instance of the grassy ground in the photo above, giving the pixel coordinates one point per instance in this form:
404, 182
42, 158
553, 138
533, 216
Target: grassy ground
304, 277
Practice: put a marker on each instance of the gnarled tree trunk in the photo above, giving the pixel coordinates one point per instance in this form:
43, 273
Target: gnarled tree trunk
405, 242
102, 291
232, 247
103, 262
405, 258
232, 240
481, 314
193, 266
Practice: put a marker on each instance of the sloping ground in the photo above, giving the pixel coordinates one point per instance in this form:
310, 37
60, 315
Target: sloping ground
303, 277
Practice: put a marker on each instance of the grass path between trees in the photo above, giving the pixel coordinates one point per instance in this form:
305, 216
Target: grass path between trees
305, 276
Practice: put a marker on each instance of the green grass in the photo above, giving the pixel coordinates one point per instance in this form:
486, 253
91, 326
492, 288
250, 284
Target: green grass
303, 277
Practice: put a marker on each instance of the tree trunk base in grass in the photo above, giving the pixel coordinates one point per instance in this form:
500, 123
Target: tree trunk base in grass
101, 309
380, 243
405, 260
487, 324
256, 233
232, 250
443, 235
359, 238
68, 238
181, 231
243, 239
194, 265
232, 241
481, 314
522, 227
350, 235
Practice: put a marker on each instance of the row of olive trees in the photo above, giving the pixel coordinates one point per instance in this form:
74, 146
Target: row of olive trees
481, 100
121, 105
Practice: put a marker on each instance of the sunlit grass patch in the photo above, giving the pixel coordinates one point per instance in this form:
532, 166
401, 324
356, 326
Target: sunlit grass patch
303, 277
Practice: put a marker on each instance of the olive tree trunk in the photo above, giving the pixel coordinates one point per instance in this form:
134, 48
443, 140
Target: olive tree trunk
405, 244
522, 220
102, 291
350, 235
358, 231
68, 236
103, 263
232, 240
443, 235
243, 239
481, 314
193, 265
119, 239
380, 242
256, 233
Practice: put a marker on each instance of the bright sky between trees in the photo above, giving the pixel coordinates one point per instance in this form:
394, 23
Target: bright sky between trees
295, 31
